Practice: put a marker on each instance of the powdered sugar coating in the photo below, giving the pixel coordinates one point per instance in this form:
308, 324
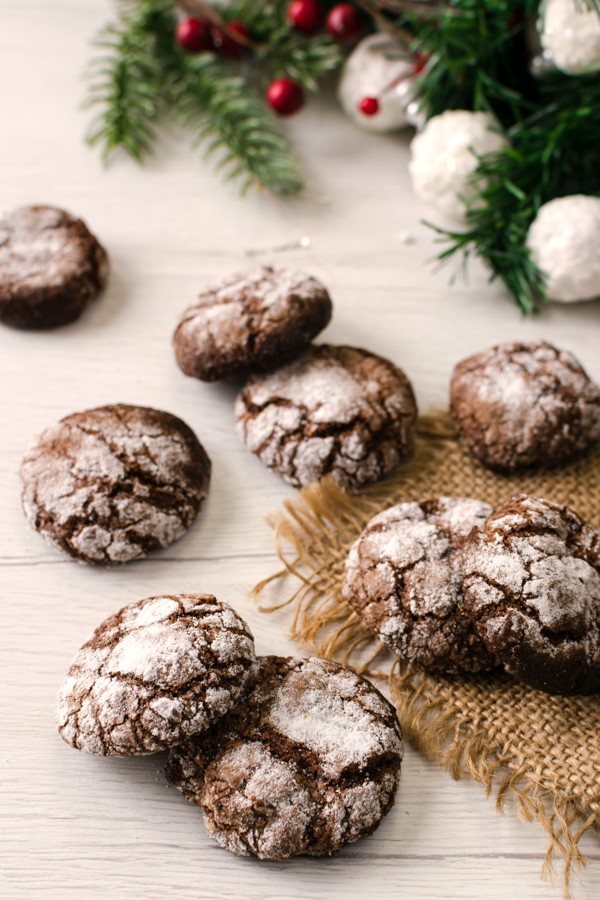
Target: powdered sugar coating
524, 404
403, 579
159, 670
51, 267
570, 36
532, 585
251, 322
111, 484
247, 777
309, 764
444, 157
336, 410
564, 242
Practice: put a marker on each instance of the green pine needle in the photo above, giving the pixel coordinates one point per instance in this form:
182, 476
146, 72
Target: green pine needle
140, 72
552, 153
229, 120
479, 60
288, 56
125, 87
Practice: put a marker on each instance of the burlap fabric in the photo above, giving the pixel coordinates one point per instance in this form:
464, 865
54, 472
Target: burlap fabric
541, 752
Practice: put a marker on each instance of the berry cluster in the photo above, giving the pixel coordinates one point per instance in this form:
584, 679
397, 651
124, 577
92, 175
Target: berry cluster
344, 23
197, 35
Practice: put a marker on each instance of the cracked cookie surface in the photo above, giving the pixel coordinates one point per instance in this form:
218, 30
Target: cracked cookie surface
531, 582
111, 484
518, 405
154, 673
403, 579
337, 411
251, 322
51, 267
309, 762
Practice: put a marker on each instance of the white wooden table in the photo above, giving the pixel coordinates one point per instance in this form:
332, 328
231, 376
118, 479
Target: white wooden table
79, 827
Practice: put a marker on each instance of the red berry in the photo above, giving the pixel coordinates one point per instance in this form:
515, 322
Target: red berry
345, 24
421, 60
305, 15
194, 35
227, 45
369, 106
285, 96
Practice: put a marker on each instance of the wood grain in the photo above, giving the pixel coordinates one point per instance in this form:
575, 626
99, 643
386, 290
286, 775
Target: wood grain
77, 827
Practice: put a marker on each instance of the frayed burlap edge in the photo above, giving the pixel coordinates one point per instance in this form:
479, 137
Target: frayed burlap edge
442, 717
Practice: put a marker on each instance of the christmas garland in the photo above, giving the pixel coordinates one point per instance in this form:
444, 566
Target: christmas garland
228, 72
481, 59
208, 70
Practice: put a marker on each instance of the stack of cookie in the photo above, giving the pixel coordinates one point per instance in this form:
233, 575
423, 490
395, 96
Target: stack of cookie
285, 756
452, 586
306, 411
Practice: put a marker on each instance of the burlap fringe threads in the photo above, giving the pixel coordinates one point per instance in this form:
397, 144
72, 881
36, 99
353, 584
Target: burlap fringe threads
538, 752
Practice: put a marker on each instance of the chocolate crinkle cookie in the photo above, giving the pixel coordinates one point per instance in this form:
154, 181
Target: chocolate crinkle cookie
519, 405
251, 322
158, 671
403, 579
531, 582
336, 411
310, 762
51, 267
111, 484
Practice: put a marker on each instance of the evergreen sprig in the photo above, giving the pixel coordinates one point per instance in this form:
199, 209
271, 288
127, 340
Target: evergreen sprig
552, 153
477, 57
480, 60
140, 73
125, 85
287, 56
215, 104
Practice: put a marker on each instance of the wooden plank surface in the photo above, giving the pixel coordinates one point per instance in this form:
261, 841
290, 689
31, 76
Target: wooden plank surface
78, 827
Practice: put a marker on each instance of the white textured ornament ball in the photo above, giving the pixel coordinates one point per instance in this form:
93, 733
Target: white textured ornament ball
371, 67
564, 241
444, 156
570, 36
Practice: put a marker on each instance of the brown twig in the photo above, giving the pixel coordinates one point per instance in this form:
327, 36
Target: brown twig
422, 8
375, 10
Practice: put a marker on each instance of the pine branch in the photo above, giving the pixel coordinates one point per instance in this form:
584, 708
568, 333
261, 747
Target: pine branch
125, 83
305, 62
552, 153
478, 58
478, 52
228, 118
281, 51
141, 71
261, 17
